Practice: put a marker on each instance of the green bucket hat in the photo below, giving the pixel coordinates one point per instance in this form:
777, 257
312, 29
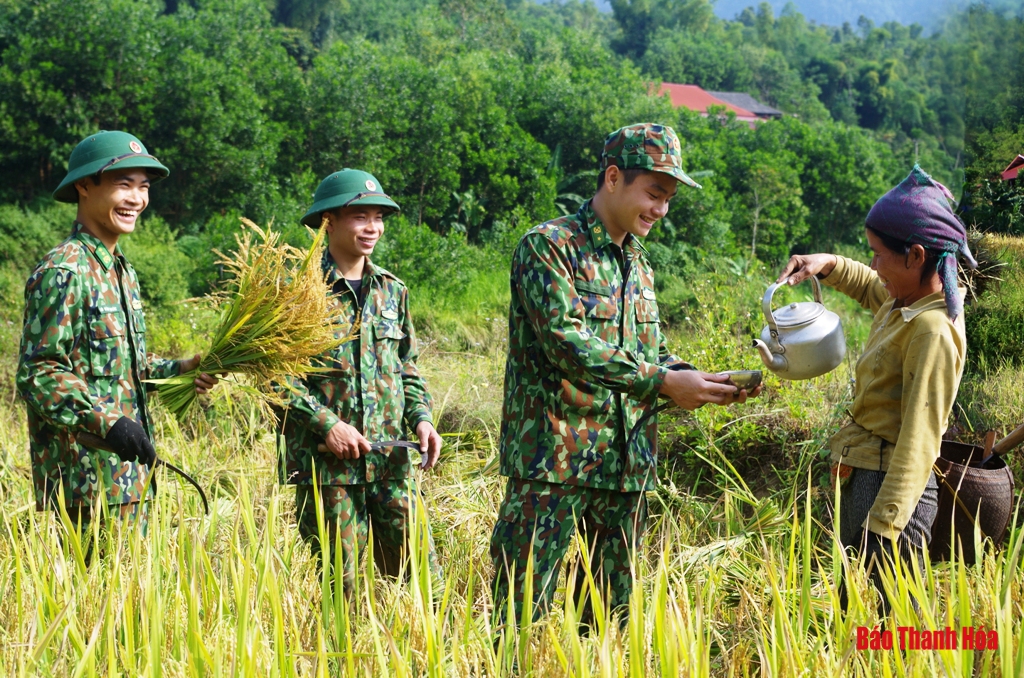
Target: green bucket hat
344, 188
646, 146
102, 152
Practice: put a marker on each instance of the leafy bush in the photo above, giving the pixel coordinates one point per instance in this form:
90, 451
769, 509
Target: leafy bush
164, 270
26, 235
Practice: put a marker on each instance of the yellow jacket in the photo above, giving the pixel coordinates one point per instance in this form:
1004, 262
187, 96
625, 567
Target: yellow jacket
907, 379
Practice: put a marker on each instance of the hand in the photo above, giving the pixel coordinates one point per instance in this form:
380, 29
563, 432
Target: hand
430, 443
204, 382
346, 442
800, 267
130, 442
691, 389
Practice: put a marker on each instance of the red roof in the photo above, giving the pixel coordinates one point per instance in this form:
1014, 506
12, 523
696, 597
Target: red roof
1011, 170
696, 99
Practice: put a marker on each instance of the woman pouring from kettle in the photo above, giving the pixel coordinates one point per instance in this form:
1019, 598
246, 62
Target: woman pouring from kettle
908, 375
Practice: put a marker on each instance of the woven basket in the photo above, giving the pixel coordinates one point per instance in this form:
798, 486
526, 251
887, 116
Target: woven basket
969, 490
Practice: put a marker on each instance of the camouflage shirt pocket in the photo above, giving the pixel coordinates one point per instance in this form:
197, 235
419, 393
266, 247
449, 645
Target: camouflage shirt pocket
139, 332
598, 301
647, 323
388, 335
107, 341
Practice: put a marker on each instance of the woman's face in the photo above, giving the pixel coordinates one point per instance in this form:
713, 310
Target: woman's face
900, 280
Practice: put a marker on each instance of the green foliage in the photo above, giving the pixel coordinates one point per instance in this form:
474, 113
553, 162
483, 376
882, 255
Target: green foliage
429, 130
994, 321
482, 117
27, 234
164, 270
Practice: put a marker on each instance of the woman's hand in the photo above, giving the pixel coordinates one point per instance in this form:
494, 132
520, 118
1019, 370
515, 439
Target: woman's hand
800, 267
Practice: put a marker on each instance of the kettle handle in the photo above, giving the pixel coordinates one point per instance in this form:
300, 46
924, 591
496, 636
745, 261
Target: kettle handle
766, 303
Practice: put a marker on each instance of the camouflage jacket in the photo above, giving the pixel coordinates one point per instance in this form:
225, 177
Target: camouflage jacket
83, 319
586, 358
372, 384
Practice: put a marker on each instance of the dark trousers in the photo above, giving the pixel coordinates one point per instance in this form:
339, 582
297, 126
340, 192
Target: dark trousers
856, 496
538, 520
350, 510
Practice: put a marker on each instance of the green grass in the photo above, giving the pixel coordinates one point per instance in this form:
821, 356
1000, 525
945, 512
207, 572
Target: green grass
736, 575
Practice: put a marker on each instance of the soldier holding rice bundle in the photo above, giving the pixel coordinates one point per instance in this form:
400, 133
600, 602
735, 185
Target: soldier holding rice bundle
83, 354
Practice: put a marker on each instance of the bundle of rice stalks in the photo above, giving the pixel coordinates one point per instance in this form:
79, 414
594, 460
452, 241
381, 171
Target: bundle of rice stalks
275, 319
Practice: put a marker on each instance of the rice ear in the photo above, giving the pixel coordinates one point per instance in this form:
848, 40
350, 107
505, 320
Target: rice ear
275, 317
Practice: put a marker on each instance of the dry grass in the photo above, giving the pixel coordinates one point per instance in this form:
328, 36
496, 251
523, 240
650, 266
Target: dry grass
727, 586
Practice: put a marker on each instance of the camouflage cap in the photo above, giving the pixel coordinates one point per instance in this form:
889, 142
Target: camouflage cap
646, 146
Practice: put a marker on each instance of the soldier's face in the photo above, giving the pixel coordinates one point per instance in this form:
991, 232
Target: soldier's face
354, 231
112, 208
636, 207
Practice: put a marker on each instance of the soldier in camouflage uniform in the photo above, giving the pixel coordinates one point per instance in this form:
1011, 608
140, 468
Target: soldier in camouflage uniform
372, 393
586, 359
83, 347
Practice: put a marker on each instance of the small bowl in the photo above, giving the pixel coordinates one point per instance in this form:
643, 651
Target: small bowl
744, 379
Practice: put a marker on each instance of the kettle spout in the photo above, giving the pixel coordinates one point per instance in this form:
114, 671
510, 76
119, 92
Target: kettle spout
775, 362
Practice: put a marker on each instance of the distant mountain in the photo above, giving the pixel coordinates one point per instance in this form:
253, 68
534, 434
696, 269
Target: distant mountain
927, 13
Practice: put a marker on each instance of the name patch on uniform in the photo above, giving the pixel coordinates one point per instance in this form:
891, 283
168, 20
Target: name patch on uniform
648, 293
137, 304
389, 314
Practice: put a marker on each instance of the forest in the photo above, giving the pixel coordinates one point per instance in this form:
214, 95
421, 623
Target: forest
483, 117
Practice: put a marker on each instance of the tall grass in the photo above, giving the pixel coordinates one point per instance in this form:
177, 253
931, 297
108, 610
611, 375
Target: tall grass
738, 584
736, 576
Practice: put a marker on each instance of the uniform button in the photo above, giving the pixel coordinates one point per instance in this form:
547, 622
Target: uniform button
641, 356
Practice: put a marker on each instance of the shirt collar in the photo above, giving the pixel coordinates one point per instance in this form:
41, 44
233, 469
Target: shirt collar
95, 245
330, 269
936, 300
598, 234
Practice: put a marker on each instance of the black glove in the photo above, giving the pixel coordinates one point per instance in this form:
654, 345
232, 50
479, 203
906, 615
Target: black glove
130, 441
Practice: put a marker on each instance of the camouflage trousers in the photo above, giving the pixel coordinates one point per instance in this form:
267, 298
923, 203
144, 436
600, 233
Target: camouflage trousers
83, 516
538, 520
350, 511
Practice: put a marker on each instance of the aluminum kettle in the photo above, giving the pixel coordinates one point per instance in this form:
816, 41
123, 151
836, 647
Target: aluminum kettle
802, 340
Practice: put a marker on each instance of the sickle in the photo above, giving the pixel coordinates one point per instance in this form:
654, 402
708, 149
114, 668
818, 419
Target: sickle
95, 442
381, 445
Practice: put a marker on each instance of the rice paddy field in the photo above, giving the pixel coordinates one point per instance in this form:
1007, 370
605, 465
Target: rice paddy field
736, 575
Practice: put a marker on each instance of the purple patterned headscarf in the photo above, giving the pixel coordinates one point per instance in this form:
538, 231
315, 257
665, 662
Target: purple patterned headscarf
917, 211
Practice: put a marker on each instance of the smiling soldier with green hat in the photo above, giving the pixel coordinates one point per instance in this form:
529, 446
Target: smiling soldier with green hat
334, 423
83, 353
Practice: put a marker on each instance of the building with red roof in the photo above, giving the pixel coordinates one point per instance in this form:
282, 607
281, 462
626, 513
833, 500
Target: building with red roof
697, 99
1010, 173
